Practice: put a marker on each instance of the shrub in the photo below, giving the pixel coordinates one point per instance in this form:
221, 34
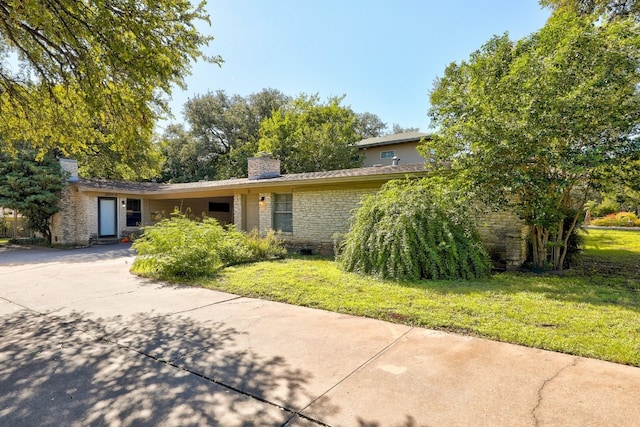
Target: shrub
606, 207
412, 229
239, 247
181, 247
620, 219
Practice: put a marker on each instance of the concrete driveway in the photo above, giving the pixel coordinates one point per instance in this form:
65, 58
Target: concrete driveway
83, 342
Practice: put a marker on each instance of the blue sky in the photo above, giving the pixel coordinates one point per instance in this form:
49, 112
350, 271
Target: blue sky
382, 54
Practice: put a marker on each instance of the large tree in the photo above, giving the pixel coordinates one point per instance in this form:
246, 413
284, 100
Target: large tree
32, 187
308, 135
183, 160
370, 125
224, 132
74, 72
531, 124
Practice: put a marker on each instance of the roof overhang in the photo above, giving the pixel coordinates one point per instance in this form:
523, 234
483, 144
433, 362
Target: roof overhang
372, 176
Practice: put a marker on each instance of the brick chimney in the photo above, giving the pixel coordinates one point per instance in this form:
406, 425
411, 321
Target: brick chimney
263, 167
70, 166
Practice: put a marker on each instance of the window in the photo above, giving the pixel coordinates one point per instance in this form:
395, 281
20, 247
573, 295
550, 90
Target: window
219, 207
283, 212
387, 154
134, 212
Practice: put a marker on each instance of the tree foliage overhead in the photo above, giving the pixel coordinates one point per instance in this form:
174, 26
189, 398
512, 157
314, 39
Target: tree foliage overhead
610, 9
308, 135
74, 72
412, 230
32, 187
531, 124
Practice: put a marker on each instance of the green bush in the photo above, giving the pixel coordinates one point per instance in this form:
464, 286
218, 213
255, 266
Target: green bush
180, 247
239, 247
606, 207
620, 219
413, 229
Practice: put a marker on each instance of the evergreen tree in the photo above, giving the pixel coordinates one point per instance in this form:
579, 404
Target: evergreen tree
32, 187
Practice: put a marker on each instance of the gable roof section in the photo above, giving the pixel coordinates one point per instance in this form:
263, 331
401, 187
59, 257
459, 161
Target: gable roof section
358, 175
397, 138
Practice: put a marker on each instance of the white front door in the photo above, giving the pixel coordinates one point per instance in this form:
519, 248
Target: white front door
107, 216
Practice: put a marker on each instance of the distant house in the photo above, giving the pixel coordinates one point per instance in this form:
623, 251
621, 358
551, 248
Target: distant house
382, 150
307, 210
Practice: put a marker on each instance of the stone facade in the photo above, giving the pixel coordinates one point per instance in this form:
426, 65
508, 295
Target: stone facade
318, 215
77, 221
505, 237
265, 215
263, 167
70, 166
239, 219
322, 207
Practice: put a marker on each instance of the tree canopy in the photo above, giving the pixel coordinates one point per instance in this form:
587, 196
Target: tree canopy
610, 9
76, 72
308, 135
531, 124
32, 187
224, 132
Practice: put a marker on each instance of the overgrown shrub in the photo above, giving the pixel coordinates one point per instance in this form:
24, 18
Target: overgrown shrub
620, 219
239, 247
413, 229
181, 247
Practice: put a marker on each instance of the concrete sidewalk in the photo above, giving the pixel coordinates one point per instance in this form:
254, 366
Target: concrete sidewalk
83, 342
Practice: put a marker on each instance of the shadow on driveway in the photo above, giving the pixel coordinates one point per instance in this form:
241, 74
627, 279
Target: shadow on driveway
68, 370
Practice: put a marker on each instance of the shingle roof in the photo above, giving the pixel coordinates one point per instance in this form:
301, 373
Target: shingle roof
334, 176
396, 138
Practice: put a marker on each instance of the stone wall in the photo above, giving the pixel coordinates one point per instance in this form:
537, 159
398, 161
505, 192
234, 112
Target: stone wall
70, 166
266, 214
317, 216
239, 205
505, 237
77, 221
263, 167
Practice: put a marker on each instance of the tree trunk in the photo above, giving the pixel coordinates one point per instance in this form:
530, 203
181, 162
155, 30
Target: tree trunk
567, 236
539, 240
558, 247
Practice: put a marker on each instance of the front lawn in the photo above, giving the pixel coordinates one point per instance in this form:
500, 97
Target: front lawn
585, 312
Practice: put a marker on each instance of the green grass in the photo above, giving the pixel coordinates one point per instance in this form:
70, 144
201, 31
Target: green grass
3, 241
611, 252
586, 312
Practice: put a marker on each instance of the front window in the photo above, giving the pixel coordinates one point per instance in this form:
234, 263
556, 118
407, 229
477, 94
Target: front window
134, 212
283, 212
387, 154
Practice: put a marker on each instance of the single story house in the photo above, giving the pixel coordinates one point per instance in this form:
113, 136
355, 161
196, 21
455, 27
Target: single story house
307, 210
383, 150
